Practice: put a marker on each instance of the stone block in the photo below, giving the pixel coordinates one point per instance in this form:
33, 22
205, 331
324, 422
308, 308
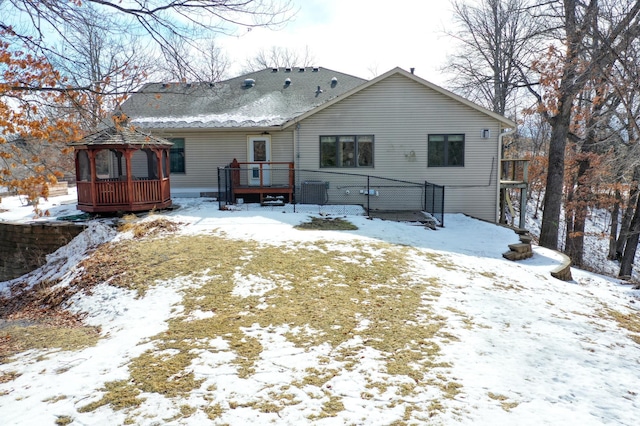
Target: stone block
520, 247
510, 255
526, 239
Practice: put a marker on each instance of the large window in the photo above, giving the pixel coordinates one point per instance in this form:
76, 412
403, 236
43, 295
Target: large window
176, 156
346, 151
445, 151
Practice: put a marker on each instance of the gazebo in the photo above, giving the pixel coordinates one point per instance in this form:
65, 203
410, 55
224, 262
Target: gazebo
122, 169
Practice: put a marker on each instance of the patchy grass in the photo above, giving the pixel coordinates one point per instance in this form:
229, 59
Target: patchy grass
330, 408
165, 373
504, 401
627, 321
214, 411
328, 224
34, 318
42, 323
349, 297
55, 399
63, 420
9, 376
118, 394
42, 336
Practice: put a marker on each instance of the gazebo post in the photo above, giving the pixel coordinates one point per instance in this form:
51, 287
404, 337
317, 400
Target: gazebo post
92, 167
128, 154
158, 154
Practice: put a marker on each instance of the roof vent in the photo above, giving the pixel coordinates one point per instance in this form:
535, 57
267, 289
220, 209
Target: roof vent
288, 69
274, 69
188, 85
165, 85
315, 69
287, 82
334, 81
249, 82
301, 69
318, 91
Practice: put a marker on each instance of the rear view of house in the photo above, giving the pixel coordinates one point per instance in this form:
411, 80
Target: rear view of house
325, 136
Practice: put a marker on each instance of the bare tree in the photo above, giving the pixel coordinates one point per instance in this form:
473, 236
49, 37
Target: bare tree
161, 21
495, 37
626, 83
591, 42
199, 60
111, 63
277, 56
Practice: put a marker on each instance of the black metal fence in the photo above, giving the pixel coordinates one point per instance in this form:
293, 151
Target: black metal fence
353, 192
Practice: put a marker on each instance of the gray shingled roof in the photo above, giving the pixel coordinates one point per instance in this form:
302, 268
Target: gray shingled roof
258, 99
122, 135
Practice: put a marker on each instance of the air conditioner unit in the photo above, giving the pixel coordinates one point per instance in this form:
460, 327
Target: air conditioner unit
313, 192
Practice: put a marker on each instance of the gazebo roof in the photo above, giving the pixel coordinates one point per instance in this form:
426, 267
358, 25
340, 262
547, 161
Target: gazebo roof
122, 135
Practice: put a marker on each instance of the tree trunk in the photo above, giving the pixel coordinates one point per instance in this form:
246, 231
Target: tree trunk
570, 218
626, 263
584, 182
613, 235
628, 214
555, 177
575, 215
575, 241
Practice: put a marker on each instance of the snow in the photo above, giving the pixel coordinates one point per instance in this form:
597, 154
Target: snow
216, 120
533, 340
271, 109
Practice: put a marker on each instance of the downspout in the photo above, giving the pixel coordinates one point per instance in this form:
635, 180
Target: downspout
296, 158
296, 142
500, 136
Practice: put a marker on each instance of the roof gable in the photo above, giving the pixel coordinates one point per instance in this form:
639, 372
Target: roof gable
503, 120
265, 98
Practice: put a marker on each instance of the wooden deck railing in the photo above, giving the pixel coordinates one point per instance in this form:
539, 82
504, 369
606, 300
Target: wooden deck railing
281, 178
514, 170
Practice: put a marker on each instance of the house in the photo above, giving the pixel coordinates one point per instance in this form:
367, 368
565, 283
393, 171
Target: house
396, 126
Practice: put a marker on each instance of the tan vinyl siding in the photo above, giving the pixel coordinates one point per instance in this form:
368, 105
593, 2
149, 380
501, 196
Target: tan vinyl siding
401, 113
206, 151
139, 164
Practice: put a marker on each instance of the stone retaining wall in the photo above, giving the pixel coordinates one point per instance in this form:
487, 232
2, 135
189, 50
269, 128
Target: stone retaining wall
23, 247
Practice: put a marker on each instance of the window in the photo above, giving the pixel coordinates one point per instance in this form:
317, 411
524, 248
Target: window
446, 151
346, 151
176, 156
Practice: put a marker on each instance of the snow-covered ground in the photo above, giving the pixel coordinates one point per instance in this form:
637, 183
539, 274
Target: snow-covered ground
526, 348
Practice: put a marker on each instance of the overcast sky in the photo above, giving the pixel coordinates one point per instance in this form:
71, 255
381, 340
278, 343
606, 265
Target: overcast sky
359, 37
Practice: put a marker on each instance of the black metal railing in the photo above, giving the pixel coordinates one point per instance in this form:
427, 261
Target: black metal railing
354, 192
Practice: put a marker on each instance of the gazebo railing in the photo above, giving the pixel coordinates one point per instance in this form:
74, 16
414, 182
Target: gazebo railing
111, 192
